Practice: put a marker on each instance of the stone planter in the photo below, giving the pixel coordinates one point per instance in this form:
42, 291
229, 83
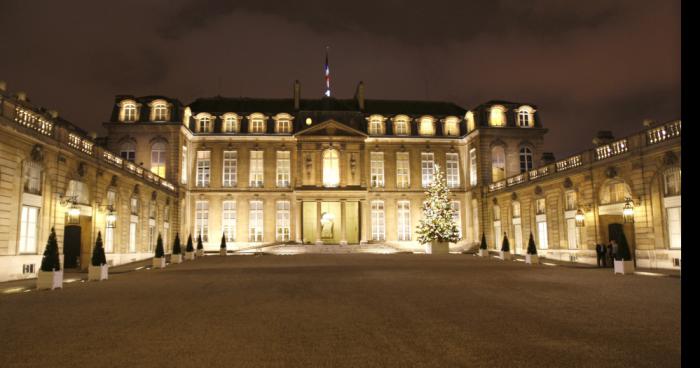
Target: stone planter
98, 273
189, 256
159, 262
532, 259
506, 256
624, 267
49, 280
176, 258
222, 252
483, 252
436, 247
200, 252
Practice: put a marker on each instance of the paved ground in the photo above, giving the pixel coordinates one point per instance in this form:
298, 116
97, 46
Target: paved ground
348, 311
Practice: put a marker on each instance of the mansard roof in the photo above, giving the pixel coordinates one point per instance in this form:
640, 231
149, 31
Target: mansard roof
144, 101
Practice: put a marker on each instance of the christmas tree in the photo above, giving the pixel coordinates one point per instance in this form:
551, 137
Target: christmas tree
483, 241
438, 216
50, 261
531, 247
223, 241
505, 246
160, 253
177, 249
199, 242
189, 247
98, 254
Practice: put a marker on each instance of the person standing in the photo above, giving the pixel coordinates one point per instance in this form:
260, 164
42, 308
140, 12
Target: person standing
600, 253
609, 254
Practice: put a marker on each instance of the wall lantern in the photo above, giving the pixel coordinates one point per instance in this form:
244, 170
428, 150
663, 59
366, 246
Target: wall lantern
111, 218
73, 214
628, 211
580, 218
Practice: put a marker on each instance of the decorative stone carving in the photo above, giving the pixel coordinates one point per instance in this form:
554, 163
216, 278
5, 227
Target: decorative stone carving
136, 189
514, 196
495, 200
154, 195
567, 183
538, 190
670, 159
113, 181
353, 164
611, 172
37, 154
308, 164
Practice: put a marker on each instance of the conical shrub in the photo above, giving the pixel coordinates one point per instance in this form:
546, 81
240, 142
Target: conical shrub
505, 246
483, 241
531, 247
50, 261
98, 253
160, 253
190, 247
223, 241
177, 248
200, 245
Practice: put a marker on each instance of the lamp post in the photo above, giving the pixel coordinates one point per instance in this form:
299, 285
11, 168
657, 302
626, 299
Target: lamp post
628, 211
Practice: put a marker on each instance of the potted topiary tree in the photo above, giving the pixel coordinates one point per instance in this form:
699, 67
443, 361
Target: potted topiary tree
189, 250
176, 257
505, 249
200, 246
437, 228
159, 258
98, 269
50, 275
623, 258
531, 255
222, 249
483, 250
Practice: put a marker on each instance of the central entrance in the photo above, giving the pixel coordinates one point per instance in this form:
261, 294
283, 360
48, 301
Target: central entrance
330, 222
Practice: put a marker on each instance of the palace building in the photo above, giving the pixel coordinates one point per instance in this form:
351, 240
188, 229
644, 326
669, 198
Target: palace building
324, 174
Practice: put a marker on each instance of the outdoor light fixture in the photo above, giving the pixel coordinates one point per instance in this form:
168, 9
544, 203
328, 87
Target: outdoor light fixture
580, 217
628, 211
111, 218
73, 214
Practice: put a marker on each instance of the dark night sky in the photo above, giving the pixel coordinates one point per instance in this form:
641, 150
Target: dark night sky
588, 65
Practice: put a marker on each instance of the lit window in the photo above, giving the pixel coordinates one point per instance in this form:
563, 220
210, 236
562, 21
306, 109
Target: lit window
540, 206
158, 159
451, 127
159, 111
152, 210
472, 167
129, 112
672, 205
404, 220
570, 197
497, 228
517, 227
255, 221
257, 123
229, 220
452, 170
184, 171
376, 169
134, 205
427, 164
403, 171
127, 151
331, 168
203, 168
672, 182
376, 125
542, 233
457, 216
470, 121
133, 228
231, 124
283, 123
29, 228
572, 233
282, 224
497, 117
32, 177
201, 226
516, 209
427, 126
283, 169
257, 170
525, 117
498, 164
230, 169
401, 126
204, 124
525, 159
378, 224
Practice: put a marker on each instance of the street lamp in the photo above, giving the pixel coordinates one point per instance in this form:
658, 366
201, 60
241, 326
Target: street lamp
580, 217
628, 211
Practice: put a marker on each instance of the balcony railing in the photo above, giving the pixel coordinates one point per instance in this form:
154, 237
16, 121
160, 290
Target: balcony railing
31, 120
538, 173
569, 163
515, 180
663, 133
497, 186
611, 149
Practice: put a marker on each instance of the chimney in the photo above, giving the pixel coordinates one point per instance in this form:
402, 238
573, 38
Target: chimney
547, 158
93, 135
53, 114
360, 95
648, 123
22, 96
3, 86
603, 137
297, 94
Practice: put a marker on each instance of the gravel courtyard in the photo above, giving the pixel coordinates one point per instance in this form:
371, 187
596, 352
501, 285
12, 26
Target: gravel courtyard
352, 310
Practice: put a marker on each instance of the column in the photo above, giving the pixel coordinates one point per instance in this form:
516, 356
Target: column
299, 206
318, 223
343, 231
363, 221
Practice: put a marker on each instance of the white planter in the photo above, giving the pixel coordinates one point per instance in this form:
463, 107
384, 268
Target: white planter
624, 267
506, 256
159, 262
189, 256
98, 273
483, 252
176, 258
436, 247
222, 251
49, 280
532, 259
200, 252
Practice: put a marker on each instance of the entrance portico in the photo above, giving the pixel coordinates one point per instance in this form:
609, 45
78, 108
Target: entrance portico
329, 221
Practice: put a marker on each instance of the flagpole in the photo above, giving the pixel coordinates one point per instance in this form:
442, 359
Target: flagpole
328, 75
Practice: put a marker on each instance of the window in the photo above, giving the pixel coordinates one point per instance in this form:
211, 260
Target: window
283, 230
159, 111
475, 219
151, 236
573, 235
403, 213
134, 206
283, 123
451, 127
255, 222
525, 117
457, 216
542, 233
452, 170
158, 159
185, 173
376, 125
29, 227
427, 168
540, 206
152, 210
672, 205
257, 123
427, 126
32, 177
203, 168
470, 121
229, 220
516, 209
109, 239
127, 151
672, 182
204, 124
571, 203
110, 228
614, 192
517, 227
231, 124
525, 159
201, 225
378, 225
331, 168
673, 217
403, 174
257, 169
472, 167
133, 226
283, 169
401, 126
230, 169
497, 117
377, 169
128, 111
498, 164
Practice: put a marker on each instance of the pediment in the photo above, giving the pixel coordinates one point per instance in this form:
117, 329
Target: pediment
331, 128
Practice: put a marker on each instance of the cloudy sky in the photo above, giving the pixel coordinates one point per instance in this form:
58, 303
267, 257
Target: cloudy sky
588, 66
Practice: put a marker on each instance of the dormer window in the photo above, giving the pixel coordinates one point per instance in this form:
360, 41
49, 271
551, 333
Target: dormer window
376, 125
159, 110
401, 126
230, 123
128, 112
471, 125
204, 123
283, 123
427, 126
451, 127
526, 116
497, 117
257, 123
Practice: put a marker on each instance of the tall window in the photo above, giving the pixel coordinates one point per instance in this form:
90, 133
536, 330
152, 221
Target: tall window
229, 220
283, 169
452, 170
427, 126
457, 216
401, 126
573, 235
257, 169
133, 227
475, 218
203, 168
128, 112
204, 123
160, 111
282, 227
257, 123
29, 228
451, 127
134, 205
184, 174
540, 206
541, 221
331, 168
127, 151
201, 226
525, 159
255, 221
377, 169
672, 182
158, 159
231, 123
152, 210
110, 228
570, 199
427, 163
378, 223
403, 171
376, 125
497, 228
230, 169
498, 164
525, 119
472, 167
403, 213
283, 123
497, 117
32, 177
672, 204
517, 227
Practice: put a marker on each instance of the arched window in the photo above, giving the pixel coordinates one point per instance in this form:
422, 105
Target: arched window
525, 159
526, 117
256, 123
497, 117
283, 123
672, 182
204, 123
614, 191
427, 126
451, 127
128, 112
401, 126
376, 125
471, 125
231, 123
159, 110
672, 206
127, 151
32, 177
498, 163
331, 168
158, 159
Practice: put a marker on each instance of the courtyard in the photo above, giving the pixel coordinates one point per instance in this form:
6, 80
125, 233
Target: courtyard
354, 310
